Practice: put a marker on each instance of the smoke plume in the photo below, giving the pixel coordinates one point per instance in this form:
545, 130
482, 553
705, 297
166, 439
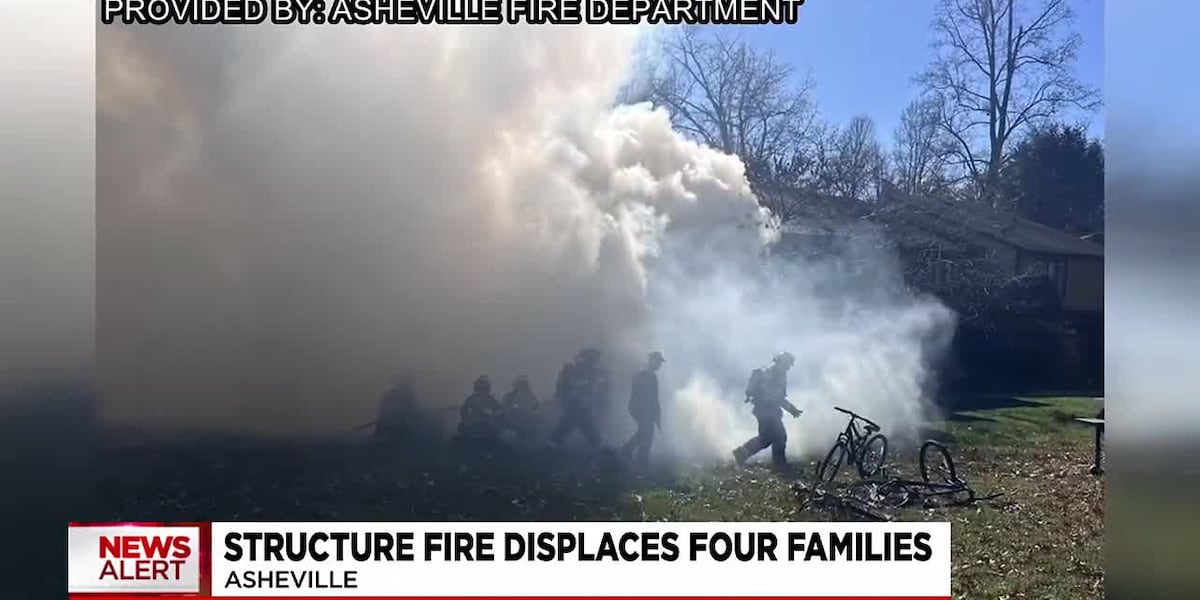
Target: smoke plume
290, 216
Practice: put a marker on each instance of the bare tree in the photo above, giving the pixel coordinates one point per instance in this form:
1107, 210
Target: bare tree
939, 243
1000, 66
730, 96
920, 149
781, 199
851, 160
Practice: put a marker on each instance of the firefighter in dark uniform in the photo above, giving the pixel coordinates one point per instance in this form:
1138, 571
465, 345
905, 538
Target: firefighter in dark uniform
581, 391
480, 414
645, 410
397, 416
520, 409
767, 391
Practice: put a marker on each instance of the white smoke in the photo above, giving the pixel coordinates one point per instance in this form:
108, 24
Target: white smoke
289, 215
860, 343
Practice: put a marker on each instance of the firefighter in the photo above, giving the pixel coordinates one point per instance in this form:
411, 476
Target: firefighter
480, 413
581, 391
645, 410
767, 391
520, 409
397, 415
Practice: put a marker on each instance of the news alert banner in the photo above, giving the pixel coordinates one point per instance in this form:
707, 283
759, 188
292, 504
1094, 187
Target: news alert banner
597, 561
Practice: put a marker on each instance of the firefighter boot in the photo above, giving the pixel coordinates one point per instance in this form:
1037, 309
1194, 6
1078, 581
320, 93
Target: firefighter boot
740, 454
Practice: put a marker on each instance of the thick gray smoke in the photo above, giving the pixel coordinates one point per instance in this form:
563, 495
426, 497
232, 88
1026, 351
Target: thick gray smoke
289, 216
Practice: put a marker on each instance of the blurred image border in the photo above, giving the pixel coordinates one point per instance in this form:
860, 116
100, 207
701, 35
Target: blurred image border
1152, 198
1153, 216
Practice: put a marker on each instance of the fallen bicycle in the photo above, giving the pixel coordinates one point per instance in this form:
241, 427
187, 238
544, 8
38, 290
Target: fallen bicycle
871, 499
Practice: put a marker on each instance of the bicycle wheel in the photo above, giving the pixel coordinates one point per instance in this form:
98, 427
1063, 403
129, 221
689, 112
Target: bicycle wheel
871, 457
828, 469
936, 464
865, 511
895, 494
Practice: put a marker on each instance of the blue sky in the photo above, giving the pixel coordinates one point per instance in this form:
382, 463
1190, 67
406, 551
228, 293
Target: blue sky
863, 54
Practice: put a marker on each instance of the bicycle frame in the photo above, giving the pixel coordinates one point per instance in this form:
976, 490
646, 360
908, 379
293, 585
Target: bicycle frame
853, 438
854, 441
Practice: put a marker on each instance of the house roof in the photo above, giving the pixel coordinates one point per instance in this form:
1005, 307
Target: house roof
915, 218
1007, 228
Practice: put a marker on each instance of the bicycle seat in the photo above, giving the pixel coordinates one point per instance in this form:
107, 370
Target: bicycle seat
842, 410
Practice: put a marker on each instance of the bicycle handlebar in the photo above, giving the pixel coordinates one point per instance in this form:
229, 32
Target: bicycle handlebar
854, 415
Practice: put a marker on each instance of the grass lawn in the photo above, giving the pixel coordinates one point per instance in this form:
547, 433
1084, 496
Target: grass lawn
1041, 539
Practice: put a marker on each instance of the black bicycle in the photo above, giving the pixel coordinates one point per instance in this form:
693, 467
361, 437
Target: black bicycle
848, 506
936, 465
940, 484
865, 447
